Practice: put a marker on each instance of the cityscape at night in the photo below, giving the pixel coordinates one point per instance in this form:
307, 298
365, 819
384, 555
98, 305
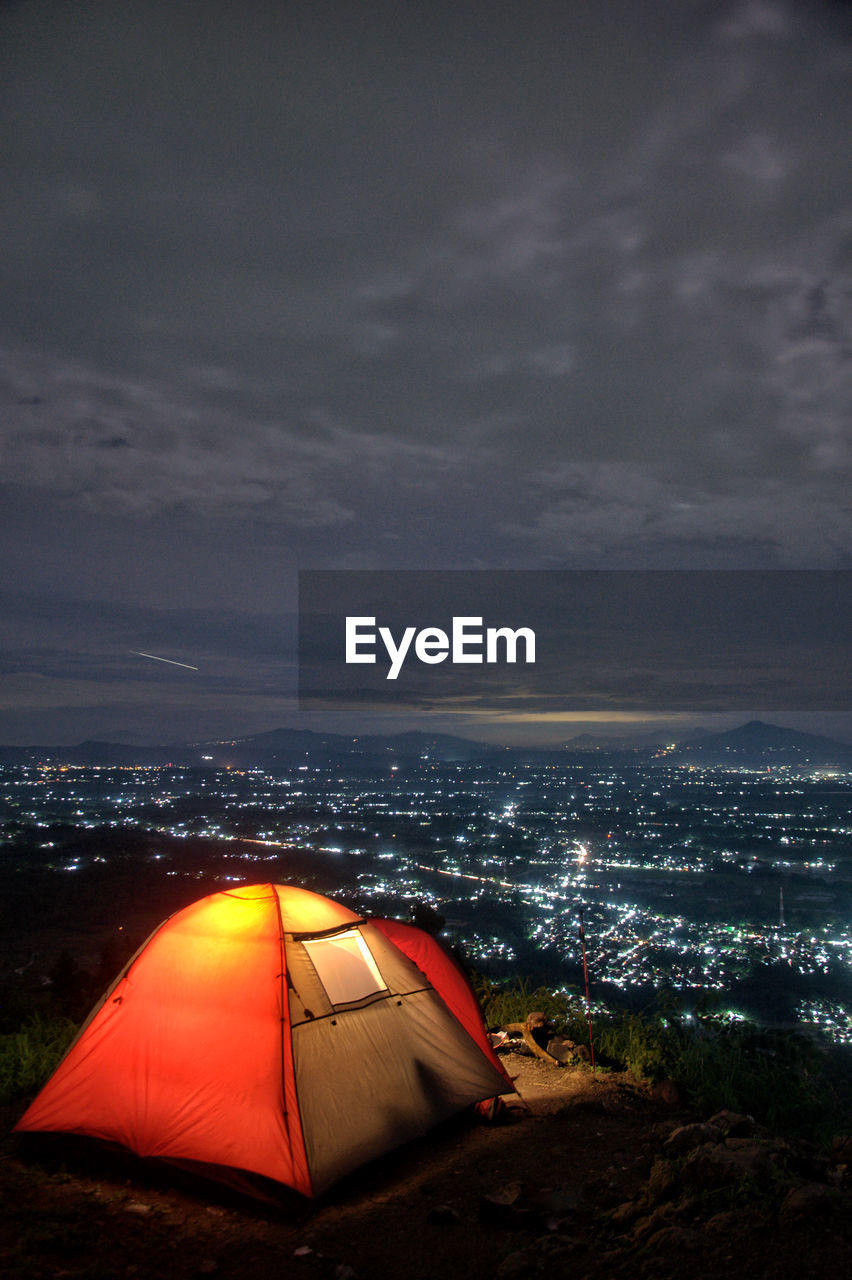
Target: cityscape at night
726, 888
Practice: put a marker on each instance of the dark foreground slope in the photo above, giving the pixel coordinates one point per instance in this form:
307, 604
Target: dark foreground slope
586, 1178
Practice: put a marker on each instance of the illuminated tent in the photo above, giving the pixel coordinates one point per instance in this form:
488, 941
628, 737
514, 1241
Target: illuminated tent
271, 1032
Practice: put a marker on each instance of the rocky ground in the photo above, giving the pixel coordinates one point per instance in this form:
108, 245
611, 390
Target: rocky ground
586, 1176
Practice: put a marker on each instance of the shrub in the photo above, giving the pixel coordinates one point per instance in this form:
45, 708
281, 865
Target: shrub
784, 1079
513, 1001
30, 1054
779, 1077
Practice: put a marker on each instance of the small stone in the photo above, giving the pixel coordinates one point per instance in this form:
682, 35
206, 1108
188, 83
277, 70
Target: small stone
663, 1180
667, 1093
443, 1213
732, 1124
716, 1165
137, 1207
626, 1213
650, 1224
507, 1207
671, 1238
561, 1049
545, 1256
303, 1251
723, 1223
841, 1149
810, 1200
515, 1266
690, 1136
507, 1195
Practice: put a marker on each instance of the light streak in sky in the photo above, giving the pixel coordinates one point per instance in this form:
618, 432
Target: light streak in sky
171, 661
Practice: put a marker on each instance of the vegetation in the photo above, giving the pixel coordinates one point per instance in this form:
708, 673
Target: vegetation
787, 1081
511, 1002
30, 1054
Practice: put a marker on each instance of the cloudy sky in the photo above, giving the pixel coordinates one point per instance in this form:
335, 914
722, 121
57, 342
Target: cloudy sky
360, 285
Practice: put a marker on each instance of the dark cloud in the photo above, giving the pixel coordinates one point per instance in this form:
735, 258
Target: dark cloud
410, 285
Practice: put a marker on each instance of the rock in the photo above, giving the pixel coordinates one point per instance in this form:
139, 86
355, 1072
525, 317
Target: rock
667, 1094
554, 1204
561, 1049
664, 1130
664, 1180
626, 1214
841, 1150
672, 1238
512, 1206
723, 1223
652, 1223
732, 1124
810, 1200
514, 1266
544, 1257
689, 1209
303, 1251
506, 1207
690, 1136
803, 1160
742, 1144
137, 1207
716, 1165
443, 1213
506, 1196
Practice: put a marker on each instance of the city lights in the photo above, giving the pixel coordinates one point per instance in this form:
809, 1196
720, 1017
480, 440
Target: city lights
722, 884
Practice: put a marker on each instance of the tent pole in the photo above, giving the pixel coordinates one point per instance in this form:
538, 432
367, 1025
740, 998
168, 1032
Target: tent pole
588, 1000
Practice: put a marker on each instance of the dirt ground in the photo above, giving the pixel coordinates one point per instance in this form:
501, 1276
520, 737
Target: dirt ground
532, 1195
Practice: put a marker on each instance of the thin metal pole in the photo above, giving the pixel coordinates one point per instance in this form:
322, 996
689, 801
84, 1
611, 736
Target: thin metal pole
588, 999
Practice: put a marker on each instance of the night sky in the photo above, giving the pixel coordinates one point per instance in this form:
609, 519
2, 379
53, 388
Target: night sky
357, 285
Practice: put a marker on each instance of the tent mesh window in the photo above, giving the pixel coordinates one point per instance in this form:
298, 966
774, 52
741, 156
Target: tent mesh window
345, 967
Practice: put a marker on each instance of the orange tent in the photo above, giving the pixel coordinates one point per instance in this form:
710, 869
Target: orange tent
269, 1031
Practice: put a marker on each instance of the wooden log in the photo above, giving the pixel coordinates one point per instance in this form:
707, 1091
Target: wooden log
525, 1029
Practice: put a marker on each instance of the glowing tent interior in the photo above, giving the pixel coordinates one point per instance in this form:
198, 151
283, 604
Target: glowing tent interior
269, 1033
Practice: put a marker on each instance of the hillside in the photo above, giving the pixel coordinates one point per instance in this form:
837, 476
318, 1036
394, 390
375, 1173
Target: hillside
587, 1177
752, 745
757, 744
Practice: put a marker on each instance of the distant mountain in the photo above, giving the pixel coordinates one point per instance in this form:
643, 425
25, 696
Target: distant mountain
279, 748
94, 754
287, 746
756, 745
753, 745
624, 742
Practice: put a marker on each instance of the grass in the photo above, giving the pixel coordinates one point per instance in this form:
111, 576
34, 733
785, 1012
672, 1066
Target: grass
785, 1080
29, 1054
511, 1002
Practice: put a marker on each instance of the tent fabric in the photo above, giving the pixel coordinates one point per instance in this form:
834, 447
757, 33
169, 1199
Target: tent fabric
272, 1031
447, 977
